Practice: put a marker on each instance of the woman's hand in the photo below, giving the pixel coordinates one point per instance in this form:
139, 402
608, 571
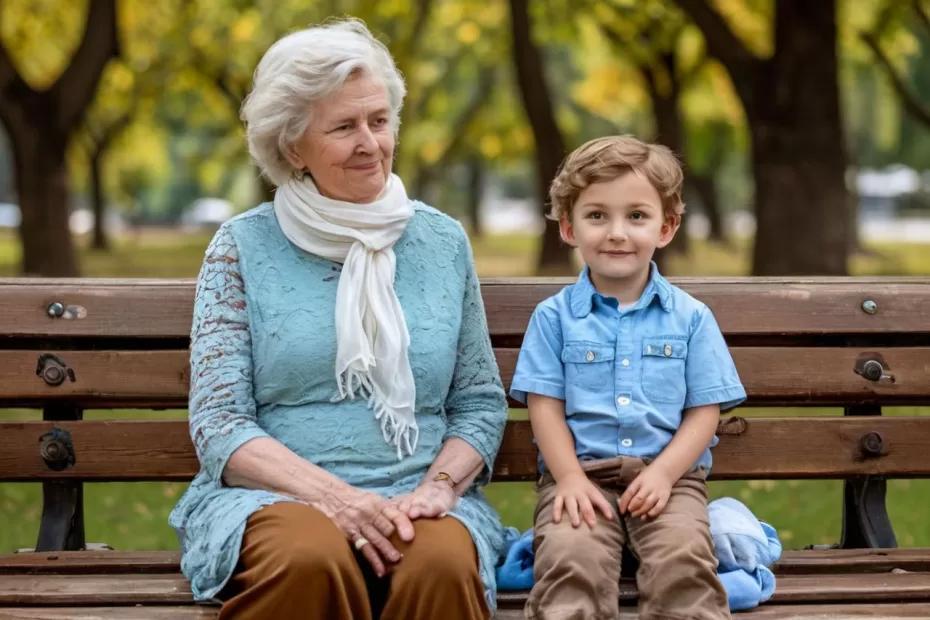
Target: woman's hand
579, 497
648, 494
364, 516
431, 499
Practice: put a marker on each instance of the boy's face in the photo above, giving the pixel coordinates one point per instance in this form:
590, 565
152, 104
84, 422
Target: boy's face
617, 226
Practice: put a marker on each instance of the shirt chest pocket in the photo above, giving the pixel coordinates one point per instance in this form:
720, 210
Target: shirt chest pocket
664, 368
588, 366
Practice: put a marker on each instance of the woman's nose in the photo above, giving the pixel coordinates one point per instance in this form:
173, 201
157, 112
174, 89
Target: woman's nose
366, 141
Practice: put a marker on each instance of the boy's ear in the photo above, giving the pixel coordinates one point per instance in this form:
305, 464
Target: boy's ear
670, 226
566, 231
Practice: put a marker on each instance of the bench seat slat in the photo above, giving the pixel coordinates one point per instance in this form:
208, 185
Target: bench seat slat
152, 612
892, 611
173, 589
771, 375
885, 611
791, 305
792, 562
768, 448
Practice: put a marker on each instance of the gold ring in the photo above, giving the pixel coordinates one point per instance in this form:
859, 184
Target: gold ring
360, 542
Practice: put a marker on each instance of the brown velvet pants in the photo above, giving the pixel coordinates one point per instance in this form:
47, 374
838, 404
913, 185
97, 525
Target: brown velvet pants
295, 563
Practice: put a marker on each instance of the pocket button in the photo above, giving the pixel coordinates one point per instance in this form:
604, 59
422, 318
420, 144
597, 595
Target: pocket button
589, 356
667, 351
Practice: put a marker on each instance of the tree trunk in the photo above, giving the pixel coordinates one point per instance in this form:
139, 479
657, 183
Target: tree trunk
798, 151
475, 187
40, 124
669, 131
42, 186
705, 187
554, 256
99, 240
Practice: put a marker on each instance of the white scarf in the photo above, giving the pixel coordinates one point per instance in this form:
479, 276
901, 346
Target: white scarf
371, 334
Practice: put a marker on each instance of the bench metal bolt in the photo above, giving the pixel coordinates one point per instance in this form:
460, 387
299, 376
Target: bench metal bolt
56, 309
872, 370
56, 449
872, 444
869, 306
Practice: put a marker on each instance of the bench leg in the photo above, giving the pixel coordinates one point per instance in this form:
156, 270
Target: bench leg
62, 526
865, 517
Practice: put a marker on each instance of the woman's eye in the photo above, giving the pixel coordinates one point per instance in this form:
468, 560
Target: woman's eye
381, 122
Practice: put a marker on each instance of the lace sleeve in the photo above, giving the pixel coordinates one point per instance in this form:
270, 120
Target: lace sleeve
222, 409
476, 406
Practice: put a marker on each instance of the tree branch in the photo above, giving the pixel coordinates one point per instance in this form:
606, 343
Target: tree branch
922, 14
75, 89
910, 100
724, 45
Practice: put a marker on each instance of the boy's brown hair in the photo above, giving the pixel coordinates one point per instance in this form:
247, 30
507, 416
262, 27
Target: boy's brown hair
605, 159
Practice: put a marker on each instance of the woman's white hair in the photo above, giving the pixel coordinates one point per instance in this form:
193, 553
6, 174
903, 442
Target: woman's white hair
300, 69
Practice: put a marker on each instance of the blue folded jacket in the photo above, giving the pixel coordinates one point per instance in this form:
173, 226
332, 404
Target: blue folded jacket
746, 549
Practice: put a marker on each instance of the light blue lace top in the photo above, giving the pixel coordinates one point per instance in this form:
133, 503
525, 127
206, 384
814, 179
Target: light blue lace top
262, 364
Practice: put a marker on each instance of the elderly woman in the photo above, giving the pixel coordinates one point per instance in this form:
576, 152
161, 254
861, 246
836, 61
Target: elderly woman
345, 401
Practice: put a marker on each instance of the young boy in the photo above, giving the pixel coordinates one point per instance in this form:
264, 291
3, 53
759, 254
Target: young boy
623, 364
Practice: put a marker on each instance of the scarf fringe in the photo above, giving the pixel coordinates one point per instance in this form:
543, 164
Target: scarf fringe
395, 430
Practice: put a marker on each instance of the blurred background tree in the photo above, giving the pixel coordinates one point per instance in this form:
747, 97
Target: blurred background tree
132, 108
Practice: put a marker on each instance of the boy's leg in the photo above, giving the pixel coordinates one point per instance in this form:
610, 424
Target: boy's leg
677, 575
576, 570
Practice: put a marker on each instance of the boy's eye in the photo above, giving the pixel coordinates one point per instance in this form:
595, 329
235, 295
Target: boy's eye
595, 215
637, 215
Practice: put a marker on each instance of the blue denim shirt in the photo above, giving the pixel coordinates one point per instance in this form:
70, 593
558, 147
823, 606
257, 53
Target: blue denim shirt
626, 374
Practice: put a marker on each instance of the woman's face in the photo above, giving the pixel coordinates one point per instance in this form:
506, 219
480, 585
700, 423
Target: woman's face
348, 147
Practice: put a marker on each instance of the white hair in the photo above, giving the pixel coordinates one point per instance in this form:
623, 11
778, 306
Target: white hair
300, 69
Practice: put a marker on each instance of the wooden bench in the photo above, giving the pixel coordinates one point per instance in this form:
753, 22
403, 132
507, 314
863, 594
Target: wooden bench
859, 344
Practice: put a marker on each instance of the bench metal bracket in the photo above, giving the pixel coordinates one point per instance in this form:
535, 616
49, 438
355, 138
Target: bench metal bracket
865, 516
62, 526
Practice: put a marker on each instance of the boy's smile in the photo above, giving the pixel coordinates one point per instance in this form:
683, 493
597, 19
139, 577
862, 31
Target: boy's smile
617, 226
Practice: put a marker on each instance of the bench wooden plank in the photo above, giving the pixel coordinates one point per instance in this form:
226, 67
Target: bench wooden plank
885, 611
170, 589
792, 562
786, 306
160, 612
36, 590
766, 448
771, 375
889, 611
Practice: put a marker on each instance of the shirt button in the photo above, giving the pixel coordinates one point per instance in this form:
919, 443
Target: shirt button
623, 401
626, 443
589, 356
667, 350
625, 362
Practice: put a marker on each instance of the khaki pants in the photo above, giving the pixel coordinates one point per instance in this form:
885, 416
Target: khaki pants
577, 570
295, 563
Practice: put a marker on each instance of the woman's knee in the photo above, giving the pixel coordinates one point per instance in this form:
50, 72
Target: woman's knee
441, 551
295, 540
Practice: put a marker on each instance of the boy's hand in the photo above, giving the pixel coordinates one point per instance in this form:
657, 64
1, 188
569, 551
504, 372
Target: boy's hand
579, 497
648, 494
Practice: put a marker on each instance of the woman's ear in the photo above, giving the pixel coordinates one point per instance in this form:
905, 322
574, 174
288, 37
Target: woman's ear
295, 160
567, 231
670, 225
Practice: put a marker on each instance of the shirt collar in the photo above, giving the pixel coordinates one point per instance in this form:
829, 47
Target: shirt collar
583, 292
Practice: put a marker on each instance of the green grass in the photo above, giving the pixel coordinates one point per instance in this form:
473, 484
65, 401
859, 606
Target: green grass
134, 515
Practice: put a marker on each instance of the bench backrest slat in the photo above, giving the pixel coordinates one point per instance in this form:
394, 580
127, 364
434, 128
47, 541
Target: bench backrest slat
802, 447
743, 306
772, 375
